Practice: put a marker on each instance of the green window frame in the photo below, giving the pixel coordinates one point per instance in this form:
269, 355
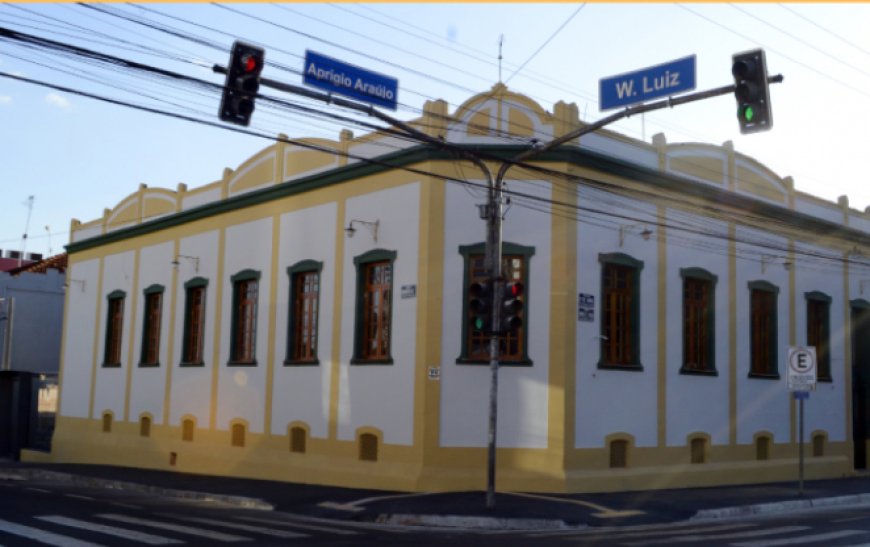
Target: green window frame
373, 330
620, 312
303, 315
152, 313
193, 341
819, 332
763, 330
699, 322
114, 328
472, 261
243, 324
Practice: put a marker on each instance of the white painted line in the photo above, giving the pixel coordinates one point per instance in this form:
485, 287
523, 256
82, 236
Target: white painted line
733, 535
670, 531
243, 527
803, 539
180, 528
355, 505
109, 530
331, 530
78, 497
40, 490
850, 519
42, 536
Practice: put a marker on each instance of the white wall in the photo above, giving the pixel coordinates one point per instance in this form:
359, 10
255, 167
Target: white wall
302, 392
148, 383
382, 396
190, 392
78, 351
523, 390
242, 389
610, 401
762, 404
696, 403
110, 389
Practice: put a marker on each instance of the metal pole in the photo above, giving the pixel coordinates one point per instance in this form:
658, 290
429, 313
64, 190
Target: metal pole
493, 258
801, 447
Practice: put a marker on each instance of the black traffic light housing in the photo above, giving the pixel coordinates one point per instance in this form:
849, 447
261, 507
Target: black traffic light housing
512, 306
751, 91
480, 306
242, 83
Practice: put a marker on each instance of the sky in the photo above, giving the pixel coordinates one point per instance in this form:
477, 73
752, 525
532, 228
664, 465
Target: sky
76, 155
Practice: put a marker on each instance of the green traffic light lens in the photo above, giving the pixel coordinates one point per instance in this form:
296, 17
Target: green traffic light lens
478, 323
748, 113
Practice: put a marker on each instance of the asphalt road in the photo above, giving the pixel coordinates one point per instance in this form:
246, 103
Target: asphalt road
57, 513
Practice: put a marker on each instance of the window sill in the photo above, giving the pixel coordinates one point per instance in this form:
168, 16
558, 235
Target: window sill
484, 362
358, 361
191, 364
242, 363
699, 372
825, 380
300, 363
149, 365
631, 367
111, 365
764, 375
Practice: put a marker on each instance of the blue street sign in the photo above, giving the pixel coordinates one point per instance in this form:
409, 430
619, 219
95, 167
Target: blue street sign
351, 81
647, 83
801, 395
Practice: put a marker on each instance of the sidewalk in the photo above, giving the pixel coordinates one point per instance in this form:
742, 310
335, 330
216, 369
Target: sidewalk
460, 509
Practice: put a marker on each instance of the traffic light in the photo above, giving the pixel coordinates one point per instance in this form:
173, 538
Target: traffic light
242, 83
751, 91
512, 306
480, 306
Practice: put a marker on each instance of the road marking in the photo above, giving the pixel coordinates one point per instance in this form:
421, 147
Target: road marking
802, 539
240, 526
78, 497
109, 530
302, 526
850, 519
355, 506
733, 535
40, 490
603, 512
670, 531
191, 530
49, 538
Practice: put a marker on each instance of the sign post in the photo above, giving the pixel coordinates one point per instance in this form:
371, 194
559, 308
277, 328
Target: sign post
801, 380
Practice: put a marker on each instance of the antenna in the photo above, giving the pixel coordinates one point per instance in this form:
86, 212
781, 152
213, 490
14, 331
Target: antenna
500, 42
29, 205
48, 233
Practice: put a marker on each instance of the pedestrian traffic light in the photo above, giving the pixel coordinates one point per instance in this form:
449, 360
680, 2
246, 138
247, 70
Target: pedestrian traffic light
242, 83
480, 305
751, 91
512, 306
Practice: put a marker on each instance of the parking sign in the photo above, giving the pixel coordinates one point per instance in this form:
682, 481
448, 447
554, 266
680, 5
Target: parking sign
801, 368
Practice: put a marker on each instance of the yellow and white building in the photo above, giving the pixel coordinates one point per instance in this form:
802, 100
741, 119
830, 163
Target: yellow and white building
235, 329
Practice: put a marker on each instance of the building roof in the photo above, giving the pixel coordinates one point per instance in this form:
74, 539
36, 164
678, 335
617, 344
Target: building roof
56, 262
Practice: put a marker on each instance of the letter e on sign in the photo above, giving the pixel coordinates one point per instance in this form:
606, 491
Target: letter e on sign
801, 368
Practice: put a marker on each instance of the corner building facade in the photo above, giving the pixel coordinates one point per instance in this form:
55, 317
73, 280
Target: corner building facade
236, 329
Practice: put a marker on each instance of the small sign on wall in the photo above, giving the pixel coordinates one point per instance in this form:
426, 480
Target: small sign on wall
435, 373
409, 291
585, 307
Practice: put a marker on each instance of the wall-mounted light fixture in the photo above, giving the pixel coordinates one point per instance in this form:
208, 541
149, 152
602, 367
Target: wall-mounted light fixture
773, 259
80, 282
644, 232
372, 226
194, 259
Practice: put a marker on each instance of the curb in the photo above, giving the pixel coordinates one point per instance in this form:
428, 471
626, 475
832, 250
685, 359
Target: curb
478, 523
81, 480
779, 507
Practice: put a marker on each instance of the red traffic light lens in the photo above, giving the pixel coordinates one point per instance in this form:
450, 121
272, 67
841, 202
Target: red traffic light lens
515, 289
249, 63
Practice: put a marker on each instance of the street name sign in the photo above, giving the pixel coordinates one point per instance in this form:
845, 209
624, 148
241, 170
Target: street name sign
647, 83
801, 368
351, 81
